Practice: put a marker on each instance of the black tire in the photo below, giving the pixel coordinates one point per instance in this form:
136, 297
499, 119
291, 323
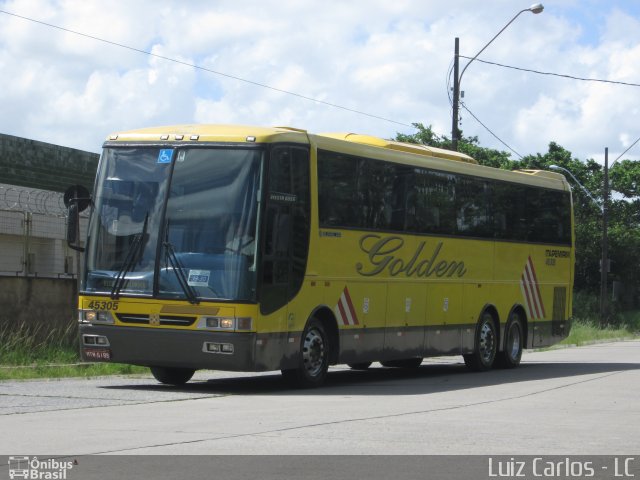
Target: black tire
486, 345
513, 343
313, 360
404, 363
172, 376
359, 366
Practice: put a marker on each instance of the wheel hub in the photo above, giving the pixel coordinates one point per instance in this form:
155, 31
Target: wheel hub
487, 340
313, 352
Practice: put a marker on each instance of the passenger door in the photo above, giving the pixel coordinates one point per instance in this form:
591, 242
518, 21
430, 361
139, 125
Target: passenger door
286, 227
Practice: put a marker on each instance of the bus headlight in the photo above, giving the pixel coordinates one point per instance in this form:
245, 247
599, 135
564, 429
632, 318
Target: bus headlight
226, 323
229, 324
95, 316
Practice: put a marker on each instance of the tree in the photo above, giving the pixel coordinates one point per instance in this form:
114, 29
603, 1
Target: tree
624, 219
624, 208
468, 145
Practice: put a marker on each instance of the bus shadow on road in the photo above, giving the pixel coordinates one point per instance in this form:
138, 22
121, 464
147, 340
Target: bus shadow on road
378, 380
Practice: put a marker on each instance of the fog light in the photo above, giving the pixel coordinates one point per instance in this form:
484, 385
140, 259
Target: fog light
95, 340
212, 347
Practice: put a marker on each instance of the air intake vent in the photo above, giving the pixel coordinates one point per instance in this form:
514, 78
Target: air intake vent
136, 319
559, 303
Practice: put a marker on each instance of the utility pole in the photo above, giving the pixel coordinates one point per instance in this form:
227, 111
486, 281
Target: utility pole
604, 269
455, 133
456, 96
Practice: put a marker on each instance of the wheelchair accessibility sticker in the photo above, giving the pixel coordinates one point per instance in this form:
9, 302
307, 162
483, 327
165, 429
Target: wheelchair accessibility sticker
165, 155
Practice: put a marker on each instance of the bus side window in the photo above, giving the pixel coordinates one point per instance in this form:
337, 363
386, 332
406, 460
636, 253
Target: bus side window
286, 231
281, 230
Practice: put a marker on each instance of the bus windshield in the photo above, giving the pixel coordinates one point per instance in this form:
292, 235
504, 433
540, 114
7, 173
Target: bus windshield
201, 246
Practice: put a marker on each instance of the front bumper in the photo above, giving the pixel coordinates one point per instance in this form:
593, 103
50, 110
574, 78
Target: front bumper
172, 348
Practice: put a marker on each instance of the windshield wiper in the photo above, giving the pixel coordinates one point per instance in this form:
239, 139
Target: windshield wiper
133, 256
178, 269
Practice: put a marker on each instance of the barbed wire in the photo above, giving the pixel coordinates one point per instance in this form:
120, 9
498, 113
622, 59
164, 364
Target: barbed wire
21, 199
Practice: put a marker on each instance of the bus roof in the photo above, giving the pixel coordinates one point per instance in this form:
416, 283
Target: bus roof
433, 158
211, 133
401, 146
349, 143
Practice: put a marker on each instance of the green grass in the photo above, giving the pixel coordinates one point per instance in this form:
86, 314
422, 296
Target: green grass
584, 332
32, 352
46, 370
586, 328
632, 319
28, 351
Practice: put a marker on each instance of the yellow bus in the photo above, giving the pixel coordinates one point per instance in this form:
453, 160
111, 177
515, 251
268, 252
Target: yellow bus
254, 249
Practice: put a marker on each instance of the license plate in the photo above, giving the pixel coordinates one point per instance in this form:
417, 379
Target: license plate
99, 355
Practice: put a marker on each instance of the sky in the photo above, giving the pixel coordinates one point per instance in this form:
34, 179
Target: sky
365, 66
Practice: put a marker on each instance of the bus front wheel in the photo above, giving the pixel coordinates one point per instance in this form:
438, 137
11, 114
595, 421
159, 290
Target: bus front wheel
486, 345
313, 357
172, 376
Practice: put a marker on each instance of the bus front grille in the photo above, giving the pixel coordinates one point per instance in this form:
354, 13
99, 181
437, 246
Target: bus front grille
137, 319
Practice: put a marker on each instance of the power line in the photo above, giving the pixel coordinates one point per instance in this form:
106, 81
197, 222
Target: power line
449, 75
448, 81
489, 130
571, 77
198, 67
629, 148
562, 75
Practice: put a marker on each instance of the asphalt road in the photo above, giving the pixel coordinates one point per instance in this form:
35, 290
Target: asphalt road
573, 401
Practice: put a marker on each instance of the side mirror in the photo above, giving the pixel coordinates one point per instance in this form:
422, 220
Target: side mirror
76, 199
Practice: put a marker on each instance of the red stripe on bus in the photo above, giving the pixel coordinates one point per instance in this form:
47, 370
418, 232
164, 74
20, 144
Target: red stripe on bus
343, 314
350, 305
523, 282
535, 277
534, 294
533, 291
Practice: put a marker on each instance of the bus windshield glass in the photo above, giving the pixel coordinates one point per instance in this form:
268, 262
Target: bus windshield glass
202, 246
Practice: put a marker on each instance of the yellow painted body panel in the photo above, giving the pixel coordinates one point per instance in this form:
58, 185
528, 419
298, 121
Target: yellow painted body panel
173, 308
381, 280
211, 133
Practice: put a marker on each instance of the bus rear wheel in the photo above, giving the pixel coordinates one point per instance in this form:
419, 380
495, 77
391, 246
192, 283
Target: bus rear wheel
514, 342
172, 376
486, 345
313, 359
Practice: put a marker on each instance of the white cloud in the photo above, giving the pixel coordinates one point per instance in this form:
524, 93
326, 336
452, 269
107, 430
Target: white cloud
389, 59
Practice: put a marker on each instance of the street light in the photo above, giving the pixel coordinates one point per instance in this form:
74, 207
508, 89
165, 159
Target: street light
535, 8
587, 192
604, 262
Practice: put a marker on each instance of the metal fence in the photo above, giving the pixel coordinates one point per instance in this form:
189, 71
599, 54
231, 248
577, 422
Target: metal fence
32, 234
